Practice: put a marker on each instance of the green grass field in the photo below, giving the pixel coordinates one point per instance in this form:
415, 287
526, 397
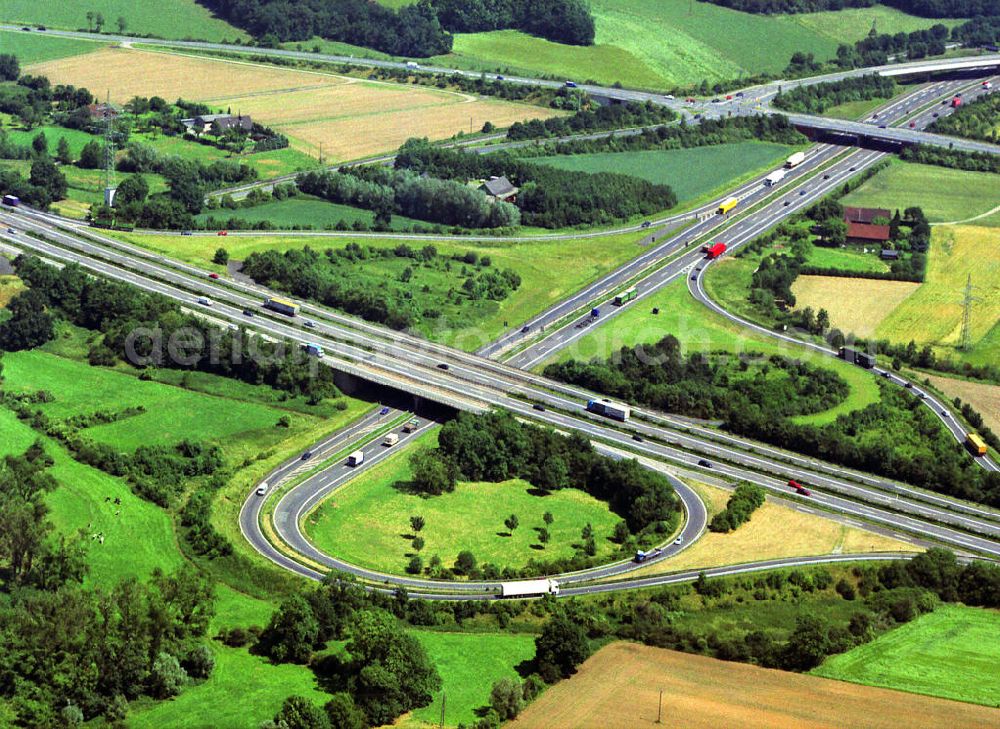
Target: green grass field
37, 47
367, 522
700, 330
469, 664
175, 19
550, 270
661, 43
952, 653
692, 173
946, 195
845, 259
303, 210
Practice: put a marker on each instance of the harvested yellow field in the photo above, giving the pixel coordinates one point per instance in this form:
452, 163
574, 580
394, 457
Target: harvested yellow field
933, 314
983, 398
127, 72
855, 305
619, 686
348, 118
773, 531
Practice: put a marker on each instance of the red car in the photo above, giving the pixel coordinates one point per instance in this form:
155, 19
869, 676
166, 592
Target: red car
729, 97
223, 232
799, 488
213, 275
689, 100
913, 125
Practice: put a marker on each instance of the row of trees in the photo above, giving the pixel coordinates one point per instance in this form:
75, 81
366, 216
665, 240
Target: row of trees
746, 499
594, 119
923, 8
955, 158
497, 447
548, 197
818, 98
562, 21
661, 376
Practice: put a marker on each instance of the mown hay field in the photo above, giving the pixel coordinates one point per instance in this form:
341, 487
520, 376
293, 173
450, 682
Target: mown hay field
856, 305
619, 687
773, 531
348, 118
983, 398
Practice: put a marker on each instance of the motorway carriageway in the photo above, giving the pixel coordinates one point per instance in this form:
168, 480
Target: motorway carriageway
599, 431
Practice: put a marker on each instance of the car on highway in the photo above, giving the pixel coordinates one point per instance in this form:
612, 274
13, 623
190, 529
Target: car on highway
539, 407
204, 301
645, 224
786, 203
383, 411
694, 277
307, 455
570, 85
309, 323
499, 77
443, 366
525, 329
11, 231
213, 276
262, 489
186, 232
935, 115
704, 464
881, 126
40, 27
826, 176
908, 385
223, 232
802, 192
913, 125
26, 28
689, 100
669, 96
248, 312
679, 540
637, 438
945, 413
852, 169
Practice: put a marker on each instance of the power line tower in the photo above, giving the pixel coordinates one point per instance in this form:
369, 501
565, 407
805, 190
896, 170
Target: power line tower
967, 301
110, 182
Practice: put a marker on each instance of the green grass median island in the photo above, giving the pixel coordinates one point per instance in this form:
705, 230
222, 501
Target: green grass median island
692, 173
367, 521
952, 653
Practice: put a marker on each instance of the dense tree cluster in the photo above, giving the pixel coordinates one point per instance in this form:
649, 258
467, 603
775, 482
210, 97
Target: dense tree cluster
497, 447
562, 21
386, 191
612, 116
176, 340
746, 499
660, 376
340, 278
923, 8
412, 30
974, 120
978, 32
548, 197
955, 158
817, 98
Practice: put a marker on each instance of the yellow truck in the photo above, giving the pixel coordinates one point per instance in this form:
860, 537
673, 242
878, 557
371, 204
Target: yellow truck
975, 444
727, 206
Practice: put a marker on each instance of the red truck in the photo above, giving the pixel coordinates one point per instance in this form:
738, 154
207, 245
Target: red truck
956, 102
799, 488
714, 251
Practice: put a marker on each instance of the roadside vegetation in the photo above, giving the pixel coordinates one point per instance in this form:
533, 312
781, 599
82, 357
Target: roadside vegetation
816, 99
979, 119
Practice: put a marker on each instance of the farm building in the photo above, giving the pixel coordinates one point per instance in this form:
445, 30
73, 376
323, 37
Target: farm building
218, 124
500, 188
865, 216
866, 233
888, 254
101, 111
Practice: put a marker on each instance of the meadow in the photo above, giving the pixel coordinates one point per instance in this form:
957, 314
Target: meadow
550, 270
692, 173
342, 117
621, 684
701, 330
658, 44
303, 210
855, 305
35, 47
176, 19
946, 195
367, 521
951, 653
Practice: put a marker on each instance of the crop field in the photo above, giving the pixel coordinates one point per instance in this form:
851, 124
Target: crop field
550, 270
692, 173
952, 653
349, 118
302, 210
36, 47
367, 521
946, 195
621, 684
933, 313
982, 397
855, 305
773, 531
178, 19
700, 330
660, 43
469, 664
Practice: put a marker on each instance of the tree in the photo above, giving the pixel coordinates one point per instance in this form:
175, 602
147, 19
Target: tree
98, 22
548, 518
292, 632
63, 154
91, 156
415, 566
823, 320
431, 474
505, 698
511, 523
587, 532
133, 189
418, 543
560, 648
808, 644
199, 662
121, 23
417, 523
166, 677
343, 713
10, 68
465, 563
46, 175
298, 712
221, 257
40, 143
543, 536
29, 325
90, 20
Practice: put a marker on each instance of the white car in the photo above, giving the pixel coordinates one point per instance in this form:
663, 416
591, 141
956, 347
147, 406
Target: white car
669, 96
262, 489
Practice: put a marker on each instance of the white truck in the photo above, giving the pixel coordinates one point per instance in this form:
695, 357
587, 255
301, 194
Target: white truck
529, 588
356, 458
391, 439
774, 178
609, 409
795, 160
